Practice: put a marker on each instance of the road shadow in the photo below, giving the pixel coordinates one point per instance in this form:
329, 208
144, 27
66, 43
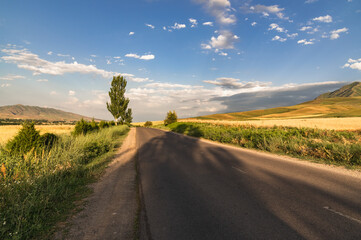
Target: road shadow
195, 190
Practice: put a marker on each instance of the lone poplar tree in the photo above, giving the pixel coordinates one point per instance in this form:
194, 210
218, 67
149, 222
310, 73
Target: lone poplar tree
118, 105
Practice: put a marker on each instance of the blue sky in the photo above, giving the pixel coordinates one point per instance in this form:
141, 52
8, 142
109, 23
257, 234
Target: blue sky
193, 56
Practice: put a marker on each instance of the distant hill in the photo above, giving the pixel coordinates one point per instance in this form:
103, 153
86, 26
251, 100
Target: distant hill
351, 90
344, 102
38, 113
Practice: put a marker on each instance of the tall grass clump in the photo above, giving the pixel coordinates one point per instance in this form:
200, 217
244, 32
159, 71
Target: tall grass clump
38, 188
339, 147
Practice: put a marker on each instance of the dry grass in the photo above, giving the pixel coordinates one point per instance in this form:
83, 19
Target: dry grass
320, 123
142, 123
9, 131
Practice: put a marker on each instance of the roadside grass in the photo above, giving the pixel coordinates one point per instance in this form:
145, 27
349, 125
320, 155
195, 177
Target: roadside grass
9, 131
327, 146
39, 190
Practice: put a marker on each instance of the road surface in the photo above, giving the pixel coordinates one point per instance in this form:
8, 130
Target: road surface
192, 189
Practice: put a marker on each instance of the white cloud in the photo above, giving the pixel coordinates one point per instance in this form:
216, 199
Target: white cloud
311, 1
267, 10
208, 24
274, 26
305, 28
5, 85
32, 62
220, 9
193, 22
353, 64
325, 19
178, 26
50, 53
253, 24
138, 79
11, 77
42, 80
293, 35
143, 57
223, 54
109, 62
131, 33
149, 25
93, 55
225, 40
305, 42
336, 33
53, 93
278, 38
71, 93
63, 55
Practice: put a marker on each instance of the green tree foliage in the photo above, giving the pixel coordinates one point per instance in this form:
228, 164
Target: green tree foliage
170, 118
118, 102
148, 124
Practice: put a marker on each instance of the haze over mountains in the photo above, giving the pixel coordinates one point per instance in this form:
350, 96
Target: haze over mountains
38, 113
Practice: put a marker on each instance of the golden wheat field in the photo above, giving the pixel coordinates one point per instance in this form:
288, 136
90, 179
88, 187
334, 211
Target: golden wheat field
9, 131
351, 123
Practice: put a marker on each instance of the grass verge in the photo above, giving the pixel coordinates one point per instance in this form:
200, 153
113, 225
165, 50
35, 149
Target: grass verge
327, 146
39, 190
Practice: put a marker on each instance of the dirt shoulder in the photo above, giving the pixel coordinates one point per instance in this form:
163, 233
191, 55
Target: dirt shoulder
110, 211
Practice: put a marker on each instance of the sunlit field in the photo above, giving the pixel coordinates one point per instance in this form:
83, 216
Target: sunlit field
141, 124
320, 123
9, 131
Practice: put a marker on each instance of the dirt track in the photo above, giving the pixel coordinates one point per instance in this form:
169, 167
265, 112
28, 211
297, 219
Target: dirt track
110, 211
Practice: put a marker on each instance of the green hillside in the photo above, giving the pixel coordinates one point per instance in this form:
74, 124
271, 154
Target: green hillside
327, 107
38, 113
351, 90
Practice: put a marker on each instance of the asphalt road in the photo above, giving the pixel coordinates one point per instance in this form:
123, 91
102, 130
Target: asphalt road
193, 189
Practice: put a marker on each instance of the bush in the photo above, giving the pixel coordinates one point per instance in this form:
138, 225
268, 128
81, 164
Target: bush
148, 124
81, 127
103, 124
94, 125
170, 118
111, 123
47, 141
26, 140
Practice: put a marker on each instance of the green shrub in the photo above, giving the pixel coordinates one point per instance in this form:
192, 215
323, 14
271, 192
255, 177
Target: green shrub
170, 118
111, 123
26, 140
94, 125
82, 127
47, 141
148, 124
103, 124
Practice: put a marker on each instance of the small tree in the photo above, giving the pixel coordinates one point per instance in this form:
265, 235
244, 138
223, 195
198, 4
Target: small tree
26, 139
118, 102
128, 116
170, 118
148, 124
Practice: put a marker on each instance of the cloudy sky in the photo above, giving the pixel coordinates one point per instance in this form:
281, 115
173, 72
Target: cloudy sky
193, 56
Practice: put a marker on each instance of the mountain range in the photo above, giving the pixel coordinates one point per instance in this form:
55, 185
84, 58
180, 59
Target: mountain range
344, 102
38, 113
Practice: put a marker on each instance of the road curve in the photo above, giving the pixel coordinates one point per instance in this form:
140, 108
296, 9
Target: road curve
192, 189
